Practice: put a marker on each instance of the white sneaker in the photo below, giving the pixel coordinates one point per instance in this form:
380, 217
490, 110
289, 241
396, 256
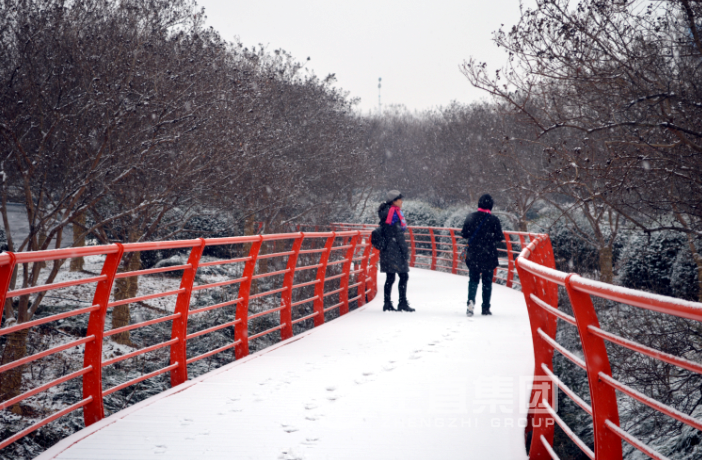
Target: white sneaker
471, 307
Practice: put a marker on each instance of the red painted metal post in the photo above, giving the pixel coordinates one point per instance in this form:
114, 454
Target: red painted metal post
5, 278
413, 248
510, 260
321, 276
241, 330
92, 381
364, 271
454, 250
344, 294
538, 420
179, 329
433, 248
608, 445
286, 297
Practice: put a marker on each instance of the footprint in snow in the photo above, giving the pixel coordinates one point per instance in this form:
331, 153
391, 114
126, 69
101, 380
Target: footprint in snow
292, 454
186, 421
331, 388
367, 373
310, 406
310, 441
289, 428
160, 449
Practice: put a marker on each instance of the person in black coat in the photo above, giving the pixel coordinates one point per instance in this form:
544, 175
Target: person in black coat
486, 232
394, 259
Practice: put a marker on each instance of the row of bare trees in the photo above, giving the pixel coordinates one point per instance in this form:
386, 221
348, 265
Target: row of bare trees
124, 119
610, 95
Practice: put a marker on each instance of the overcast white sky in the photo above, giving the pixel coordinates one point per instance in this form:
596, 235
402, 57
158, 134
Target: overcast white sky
415, 46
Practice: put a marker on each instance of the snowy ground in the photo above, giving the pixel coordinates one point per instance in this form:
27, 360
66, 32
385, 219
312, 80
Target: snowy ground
432, 384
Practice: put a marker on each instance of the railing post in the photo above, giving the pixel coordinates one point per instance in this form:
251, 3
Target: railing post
5, 278
344, 294
241, 330
454, 250
608, 445
321, 276
538, 419
510, 260
286, 298
179, 353
92, 381
364, 270
433, 248
413, 248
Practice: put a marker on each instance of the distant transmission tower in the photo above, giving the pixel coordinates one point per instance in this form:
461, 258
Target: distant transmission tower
380, 106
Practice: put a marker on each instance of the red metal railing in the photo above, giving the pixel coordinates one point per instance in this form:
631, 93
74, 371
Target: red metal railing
347, 254
535, 267
540, 280
431, 247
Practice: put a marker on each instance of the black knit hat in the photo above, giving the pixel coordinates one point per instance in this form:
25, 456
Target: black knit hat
485, 202
392, 195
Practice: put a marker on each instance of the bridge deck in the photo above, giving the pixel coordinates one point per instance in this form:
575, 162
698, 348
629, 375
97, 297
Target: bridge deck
430, 384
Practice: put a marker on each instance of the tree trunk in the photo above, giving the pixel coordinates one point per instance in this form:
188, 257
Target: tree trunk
523, 225
42, 240
125, 288
78, 228
606, 270
11, 381
250, 229
698, 261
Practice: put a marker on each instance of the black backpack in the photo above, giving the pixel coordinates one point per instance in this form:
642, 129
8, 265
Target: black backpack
378, 239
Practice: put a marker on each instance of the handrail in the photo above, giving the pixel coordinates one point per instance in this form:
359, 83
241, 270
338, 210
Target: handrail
537, 275
347, 254
536, 268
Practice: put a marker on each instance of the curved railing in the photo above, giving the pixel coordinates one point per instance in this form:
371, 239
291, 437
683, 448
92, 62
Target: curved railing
335, 271
540, 280
348, 254
535, 267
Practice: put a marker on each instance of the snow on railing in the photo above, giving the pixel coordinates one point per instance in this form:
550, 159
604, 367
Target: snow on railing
539, 280
348, 254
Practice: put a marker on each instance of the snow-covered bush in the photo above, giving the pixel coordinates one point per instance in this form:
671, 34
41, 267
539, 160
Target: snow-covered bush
659, 263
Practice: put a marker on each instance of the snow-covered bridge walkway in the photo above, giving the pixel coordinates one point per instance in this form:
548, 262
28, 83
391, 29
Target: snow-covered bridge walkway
432, 384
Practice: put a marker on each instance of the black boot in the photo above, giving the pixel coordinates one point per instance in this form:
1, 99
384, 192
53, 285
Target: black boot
486, 311
387, 306
404, 306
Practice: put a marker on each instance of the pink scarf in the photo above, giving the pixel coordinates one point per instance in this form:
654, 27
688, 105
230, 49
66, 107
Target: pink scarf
391, 214
485, 210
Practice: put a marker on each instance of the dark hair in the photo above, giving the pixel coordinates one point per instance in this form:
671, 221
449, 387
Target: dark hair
485, 202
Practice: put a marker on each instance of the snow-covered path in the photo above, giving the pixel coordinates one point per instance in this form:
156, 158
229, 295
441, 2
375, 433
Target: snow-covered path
432, 384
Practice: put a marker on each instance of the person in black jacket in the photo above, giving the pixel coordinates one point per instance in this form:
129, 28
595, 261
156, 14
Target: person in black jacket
394, 259
486, 232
